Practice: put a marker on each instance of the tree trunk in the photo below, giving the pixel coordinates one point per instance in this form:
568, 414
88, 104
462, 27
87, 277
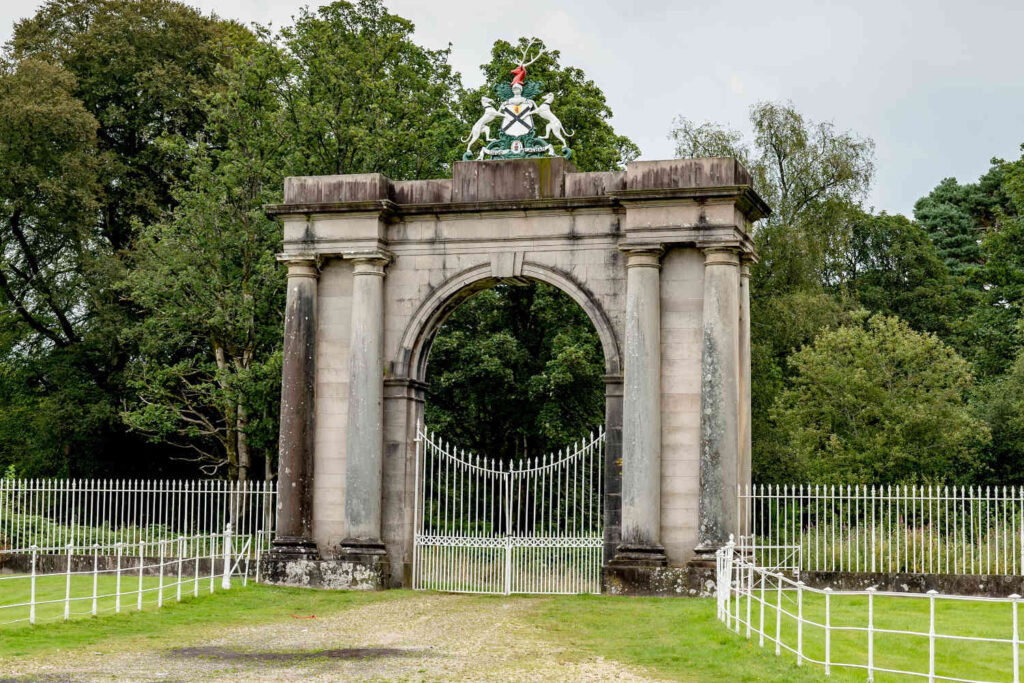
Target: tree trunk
244, 455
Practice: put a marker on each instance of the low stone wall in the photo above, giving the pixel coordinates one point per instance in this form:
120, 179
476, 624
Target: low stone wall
988, 585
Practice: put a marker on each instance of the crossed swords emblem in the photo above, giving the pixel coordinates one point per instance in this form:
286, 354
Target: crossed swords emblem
516, 118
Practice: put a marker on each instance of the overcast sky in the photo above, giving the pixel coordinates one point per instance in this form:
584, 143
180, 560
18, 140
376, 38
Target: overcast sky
938, 84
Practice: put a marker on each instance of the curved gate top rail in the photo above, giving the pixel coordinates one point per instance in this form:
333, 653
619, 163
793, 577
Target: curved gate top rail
530, 526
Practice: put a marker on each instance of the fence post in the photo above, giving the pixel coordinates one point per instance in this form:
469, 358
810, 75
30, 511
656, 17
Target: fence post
160, 591
95, 575
142, 555
213, 558
931, 634
225, 581
259, 547
760, 630
750, 593
1016, 639
799, 623
195, 569
32, 592
778, 616
117, 581
181, 551
828, 631
67, 588
871, 633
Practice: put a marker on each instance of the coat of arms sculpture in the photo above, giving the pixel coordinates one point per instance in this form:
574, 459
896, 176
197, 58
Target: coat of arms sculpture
517, 134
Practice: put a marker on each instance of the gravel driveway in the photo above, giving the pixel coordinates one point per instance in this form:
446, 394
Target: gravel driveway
425, 637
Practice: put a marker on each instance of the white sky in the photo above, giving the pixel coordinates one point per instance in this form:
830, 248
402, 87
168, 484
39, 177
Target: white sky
938, 84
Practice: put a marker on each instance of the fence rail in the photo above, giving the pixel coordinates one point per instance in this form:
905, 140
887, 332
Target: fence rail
51, 513
159, 570
923, 529
860, 629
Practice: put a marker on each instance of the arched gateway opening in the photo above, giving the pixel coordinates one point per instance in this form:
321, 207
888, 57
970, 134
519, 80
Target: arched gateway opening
656, 256
510, 461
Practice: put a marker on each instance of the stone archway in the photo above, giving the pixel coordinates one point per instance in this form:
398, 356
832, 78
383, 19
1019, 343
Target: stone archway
656, 255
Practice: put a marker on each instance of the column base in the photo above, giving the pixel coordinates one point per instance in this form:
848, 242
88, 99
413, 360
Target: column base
354, 549
628, 556
288, 548
704, 554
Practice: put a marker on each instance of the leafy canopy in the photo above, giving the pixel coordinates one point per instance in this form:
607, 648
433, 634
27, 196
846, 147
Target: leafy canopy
879, 403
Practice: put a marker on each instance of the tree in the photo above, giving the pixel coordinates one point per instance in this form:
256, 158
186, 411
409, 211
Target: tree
890, 266
957, 217
516, 371
139, 71
142, 69
1002, 406
207, 372
362, 97
880, 403
579, 102
50, 408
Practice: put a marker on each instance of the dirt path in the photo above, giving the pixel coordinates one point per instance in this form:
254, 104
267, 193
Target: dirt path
425, 637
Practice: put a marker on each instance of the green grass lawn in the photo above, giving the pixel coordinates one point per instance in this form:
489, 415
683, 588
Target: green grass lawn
51, 591
679, 639
954, 658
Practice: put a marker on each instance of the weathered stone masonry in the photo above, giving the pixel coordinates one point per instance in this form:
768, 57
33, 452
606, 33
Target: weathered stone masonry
656, 255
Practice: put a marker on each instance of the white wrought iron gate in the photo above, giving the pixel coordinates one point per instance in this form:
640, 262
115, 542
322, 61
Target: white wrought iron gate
533, 526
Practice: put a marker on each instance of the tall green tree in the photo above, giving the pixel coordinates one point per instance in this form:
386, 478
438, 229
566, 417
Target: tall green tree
880, 403
890, 266
142, 69
579, 102
206, 374
362, 97
49, 407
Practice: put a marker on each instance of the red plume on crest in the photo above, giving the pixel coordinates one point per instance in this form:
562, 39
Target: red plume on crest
519, 73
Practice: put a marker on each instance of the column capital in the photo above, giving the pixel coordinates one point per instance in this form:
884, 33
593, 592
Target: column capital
745, 269
301, 265
642, 255
721, 256
372, 263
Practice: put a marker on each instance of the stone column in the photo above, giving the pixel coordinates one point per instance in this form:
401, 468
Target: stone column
641, 412
612, 493
720, 400
298, 384
745, 378
365, 435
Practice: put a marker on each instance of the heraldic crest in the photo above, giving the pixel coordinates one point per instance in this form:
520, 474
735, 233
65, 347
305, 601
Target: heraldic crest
517, 135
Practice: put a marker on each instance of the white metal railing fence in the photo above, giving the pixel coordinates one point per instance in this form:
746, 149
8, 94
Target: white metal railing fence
109, 579
485, 526
51, 513
924, 529
856, 629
